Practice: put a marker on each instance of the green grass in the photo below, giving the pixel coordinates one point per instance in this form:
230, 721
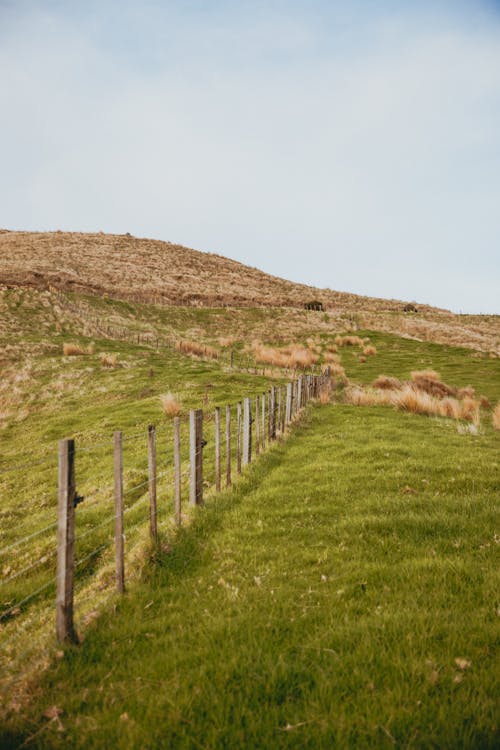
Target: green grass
321, 603
76, 397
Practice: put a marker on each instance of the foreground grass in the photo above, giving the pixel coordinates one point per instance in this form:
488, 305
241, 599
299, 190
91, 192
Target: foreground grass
343, 596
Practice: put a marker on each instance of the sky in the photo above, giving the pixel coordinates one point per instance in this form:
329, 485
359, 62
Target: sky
352, 144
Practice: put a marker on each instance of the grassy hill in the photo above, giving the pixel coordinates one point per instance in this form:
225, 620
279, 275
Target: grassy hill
161, 273
393, 510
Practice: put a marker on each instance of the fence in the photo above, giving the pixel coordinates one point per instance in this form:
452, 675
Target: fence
235, 359
259, 421
173, 464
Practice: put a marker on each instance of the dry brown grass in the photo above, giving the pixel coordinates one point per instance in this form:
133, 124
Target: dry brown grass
337, 371
469, 410
385, 382
369, 351
349, 341
226, 341
170, 404
197, 349
292, 356
332, 348
425, 375
429, 382
495, 417
449, 407
75, 350
108, 360
330, 357
325, 392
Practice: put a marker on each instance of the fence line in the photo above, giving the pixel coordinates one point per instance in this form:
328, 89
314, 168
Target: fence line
234, 442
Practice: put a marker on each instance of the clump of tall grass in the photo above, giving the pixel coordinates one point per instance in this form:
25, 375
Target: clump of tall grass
108, 360
332, 348
194, 347
226, 341
369, 351
385, 382
293, 356
330, 357
325, 392
349, 341
170, 404
495, 416
430, 382
75, 350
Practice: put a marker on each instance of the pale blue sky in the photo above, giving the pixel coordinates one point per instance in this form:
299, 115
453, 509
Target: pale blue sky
354, 145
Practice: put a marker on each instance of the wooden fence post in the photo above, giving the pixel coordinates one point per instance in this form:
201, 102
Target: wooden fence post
217, 448
119, 537
278, 411
299, 392
196, 456
263, 433
289, 398
257, 430
153, 521
238, 437
177, 471
228, 446
247, 433
65, 542
272, 413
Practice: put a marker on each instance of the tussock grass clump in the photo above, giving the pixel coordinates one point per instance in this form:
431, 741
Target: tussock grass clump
108, 360
75, 350
385, 382
418, 402
194, 347
469, 410
495, 417
293, 356
337, 371
325, 392
369, 351
330, 357
332, 348
170, 404
430, 382
449, 407
349, 341
226, 341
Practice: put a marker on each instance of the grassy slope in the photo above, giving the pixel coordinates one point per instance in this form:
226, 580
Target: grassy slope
319, 604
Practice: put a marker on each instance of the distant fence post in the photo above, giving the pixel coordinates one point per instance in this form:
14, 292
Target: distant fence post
153, 521
217, 448
195, 456
228, 445
65, 542
238, 437
119, 537
247, 432
299, 392
272, 413
278, 411
257, 430
289, 397
263, 421
177, 471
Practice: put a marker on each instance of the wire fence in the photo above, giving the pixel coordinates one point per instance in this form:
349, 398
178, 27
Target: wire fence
97, 532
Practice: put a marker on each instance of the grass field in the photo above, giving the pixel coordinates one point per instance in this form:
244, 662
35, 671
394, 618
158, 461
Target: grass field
344, 594
359, 499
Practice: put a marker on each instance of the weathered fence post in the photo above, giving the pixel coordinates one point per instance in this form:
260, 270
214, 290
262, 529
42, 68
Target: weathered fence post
247, 433
119, 537
263, 421
257, 430
177, 471
228, 445
153, 521
217, 448
66, 542
299, 392
238, 437
272, 413
278, 411
195, 456
289, 397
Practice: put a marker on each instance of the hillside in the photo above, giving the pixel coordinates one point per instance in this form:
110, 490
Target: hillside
161, 273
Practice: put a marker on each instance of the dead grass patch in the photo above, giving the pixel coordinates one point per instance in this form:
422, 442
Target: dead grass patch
369, 351
75, 350
188, 347
170, 404
108, 360
385, 382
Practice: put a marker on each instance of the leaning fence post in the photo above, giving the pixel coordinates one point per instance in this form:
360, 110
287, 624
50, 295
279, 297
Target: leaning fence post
228, 445
299, 392
217, 448
65, 542
119, 537
247, 432
195, 456
263, 422
153, 522
272, 413
177, 470
238, 437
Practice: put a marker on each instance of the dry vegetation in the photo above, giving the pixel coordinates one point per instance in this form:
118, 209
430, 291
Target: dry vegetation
108, 360
425, 393
293, 356
151, 271
170, 404
495, 416
196, 348
75, 350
